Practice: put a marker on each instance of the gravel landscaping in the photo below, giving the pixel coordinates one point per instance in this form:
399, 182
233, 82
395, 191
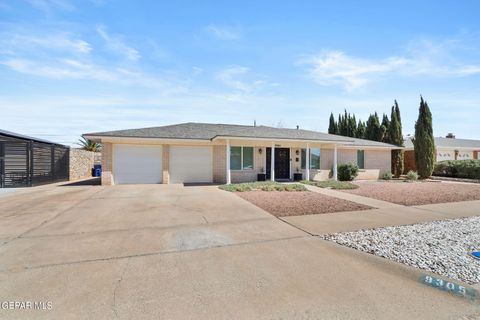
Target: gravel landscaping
441, 247
282, 204
417, 193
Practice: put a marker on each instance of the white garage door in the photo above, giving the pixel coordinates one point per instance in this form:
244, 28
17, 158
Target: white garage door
137, 164
190, 164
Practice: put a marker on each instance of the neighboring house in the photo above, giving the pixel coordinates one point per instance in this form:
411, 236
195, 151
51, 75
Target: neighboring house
222, 153
448, 148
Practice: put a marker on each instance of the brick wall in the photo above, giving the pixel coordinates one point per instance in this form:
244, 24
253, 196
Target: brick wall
409, 161
219, 164
475, 155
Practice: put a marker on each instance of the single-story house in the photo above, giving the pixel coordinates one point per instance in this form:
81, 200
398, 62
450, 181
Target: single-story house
448, 148
224, 153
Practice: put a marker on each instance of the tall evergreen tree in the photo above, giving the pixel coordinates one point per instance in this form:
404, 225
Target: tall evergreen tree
423, 142
373, 130
384, 128
332, 127
360, 130
396, 138
399, 118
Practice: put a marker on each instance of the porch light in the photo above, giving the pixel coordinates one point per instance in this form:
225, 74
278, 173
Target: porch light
260, 150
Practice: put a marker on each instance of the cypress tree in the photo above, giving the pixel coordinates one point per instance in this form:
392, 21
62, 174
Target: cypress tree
360, 130
423, 143
396, 138
332, 127
384, 128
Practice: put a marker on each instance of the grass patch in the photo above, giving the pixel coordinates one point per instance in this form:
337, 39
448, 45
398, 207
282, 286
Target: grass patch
263, 186
332, 184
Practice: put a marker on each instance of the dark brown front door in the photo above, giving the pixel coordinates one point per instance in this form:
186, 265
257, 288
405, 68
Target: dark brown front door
282, 163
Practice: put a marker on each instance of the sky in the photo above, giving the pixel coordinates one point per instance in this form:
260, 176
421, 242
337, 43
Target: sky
72, 67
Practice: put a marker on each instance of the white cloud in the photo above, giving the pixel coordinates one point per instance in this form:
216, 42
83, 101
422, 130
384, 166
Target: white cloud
338, 68
116, 44
335, 67
241, 79
22, 42
224, 32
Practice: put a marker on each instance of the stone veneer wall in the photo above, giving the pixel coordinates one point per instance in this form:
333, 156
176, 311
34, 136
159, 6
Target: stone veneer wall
81, 163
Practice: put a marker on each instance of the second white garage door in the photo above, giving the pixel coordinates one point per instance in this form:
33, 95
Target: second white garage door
190, 164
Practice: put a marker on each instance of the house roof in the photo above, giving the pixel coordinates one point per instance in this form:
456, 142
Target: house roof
449, 143
210, 131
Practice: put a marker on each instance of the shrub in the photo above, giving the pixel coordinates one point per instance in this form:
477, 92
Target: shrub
387, 176
467, 169
347, 172
412, 175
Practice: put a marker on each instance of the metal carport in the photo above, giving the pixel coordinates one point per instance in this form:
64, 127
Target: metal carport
26, 161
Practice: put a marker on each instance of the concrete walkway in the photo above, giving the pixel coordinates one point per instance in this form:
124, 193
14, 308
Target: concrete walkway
374, 203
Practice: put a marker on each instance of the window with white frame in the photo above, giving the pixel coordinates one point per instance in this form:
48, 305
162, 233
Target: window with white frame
241, 158
314, 158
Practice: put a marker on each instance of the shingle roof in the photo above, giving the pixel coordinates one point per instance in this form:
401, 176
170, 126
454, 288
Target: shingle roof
209, 131
449, 143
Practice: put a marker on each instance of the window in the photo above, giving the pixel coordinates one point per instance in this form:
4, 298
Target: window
247, 157
241, 158
361, 159
314, 158
235, 158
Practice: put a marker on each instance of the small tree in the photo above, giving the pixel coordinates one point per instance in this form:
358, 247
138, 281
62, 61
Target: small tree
89, 145
423, 142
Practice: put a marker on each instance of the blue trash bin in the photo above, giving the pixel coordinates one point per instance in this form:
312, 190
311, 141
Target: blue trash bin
97, 170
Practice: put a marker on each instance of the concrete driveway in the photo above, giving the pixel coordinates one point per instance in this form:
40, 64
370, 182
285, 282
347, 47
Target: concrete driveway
174, 252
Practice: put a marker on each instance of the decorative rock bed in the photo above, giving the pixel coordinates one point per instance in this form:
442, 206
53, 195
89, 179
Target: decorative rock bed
441, 247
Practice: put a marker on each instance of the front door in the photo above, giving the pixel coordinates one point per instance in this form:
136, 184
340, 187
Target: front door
282, 163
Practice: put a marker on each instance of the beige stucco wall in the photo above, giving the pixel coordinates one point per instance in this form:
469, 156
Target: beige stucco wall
107, 167
165, 163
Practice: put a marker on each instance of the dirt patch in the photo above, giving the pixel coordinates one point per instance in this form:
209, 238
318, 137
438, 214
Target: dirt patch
282, 204
417, 193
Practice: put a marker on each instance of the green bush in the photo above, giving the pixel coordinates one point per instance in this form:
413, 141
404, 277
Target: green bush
347, 172
466, 169
412, 175
387, 176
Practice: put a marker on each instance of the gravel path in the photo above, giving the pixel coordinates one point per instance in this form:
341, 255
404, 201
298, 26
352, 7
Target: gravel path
441, 247
417, 193
282, 204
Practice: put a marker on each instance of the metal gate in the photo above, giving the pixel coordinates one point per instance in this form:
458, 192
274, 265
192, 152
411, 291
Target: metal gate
30, 163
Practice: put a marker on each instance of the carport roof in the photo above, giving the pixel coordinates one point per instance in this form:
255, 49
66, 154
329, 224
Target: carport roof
210, 131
